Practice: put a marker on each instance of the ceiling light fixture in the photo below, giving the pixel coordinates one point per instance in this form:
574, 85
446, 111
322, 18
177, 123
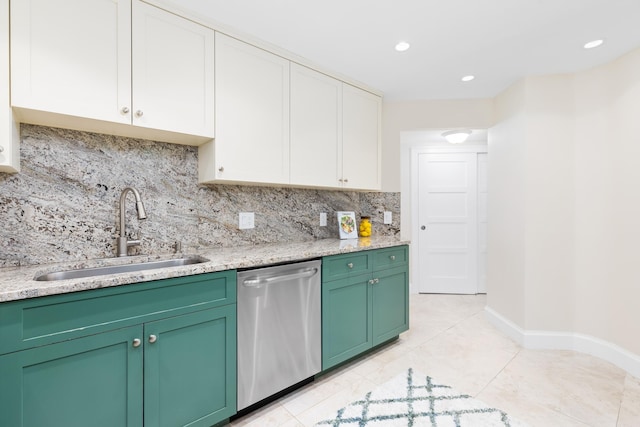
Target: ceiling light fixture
456, 136
593, 43
468, 78
402, 46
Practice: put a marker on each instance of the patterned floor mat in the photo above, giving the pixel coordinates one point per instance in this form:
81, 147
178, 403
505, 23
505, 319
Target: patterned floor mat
414, 400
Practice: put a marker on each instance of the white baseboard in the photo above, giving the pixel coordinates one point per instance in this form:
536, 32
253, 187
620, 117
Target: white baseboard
582, 343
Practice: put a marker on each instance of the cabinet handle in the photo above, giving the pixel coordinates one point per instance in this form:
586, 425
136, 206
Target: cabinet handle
153, 338
124, 110
139, 113
350, 265
393, 257
136, 342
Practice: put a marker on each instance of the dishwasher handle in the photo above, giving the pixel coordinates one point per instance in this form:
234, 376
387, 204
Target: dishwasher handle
259, 281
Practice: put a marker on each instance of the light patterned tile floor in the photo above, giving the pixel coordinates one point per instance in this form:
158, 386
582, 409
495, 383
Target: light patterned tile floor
451, 341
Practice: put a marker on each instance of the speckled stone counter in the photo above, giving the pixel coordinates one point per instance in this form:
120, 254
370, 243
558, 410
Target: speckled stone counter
18, 283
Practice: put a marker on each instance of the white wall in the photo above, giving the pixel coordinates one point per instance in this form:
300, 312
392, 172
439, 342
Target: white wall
564, 204
399, 117
607, 257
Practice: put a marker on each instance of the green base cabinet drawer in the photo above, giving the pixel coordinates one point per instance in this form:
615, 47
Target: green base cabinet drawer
46, 320
360, 311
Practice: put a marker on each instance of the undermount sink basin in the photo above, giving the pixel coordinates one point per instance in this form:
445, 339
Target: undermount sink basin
125, 268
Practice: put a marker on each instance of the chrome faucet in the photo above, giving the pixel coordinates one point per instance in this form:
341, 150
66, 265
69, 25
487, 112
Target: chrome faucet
122, 241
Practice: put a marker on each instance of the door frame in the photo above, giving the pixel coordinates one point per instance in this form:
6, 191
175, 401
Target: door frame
414, 185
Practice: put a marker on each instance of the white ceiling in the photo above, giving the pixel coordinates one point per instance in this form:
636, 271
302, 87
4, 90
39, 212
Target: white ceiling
498, 41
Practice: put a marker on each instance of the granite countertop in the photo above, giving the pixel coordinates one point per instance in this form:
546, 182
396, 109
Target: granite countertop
17, 283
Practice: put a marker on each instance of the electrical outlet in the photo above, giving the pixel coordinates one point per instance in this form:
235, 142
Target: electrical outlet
246, 220
323, 219
388, 217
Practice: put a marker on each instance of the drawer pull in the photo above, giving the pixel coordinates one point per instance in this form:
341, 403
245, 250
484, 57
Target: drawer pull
350, 265
153, 338
136, 343
393, 257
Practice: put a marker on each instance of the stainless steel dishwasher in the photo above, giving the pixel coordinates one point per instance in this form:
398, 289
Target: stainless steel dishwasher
279, 322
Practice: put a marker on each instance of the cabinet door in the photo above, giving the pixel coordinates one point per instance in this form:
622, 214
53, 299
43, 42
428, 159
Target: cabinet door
190, 368
172, 72
9, 137
316, 128
252, 116
96, 381
390, 294
346, 319
72, 57
361, 143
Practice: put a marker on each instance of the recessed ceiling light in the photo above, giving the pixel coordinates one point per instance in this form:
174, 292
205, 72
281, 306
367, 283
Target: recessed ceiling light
468, 78
402, 46
593, 43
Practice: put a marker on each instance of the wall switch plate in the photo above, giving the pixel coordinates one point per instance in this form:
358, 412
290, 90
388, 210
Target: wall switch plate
323, 219
246, 220
388, 217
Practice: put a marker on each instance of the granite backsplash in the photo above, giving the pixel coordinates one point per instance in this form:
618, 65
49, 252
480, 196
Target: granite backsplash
63, 205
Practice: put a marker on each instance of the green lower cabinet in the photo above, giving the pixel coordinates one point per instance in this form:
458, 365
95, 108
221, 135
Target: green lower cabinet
365, 302
188, 377
190, 368
162, 363
96, 381
346, 319
390, 296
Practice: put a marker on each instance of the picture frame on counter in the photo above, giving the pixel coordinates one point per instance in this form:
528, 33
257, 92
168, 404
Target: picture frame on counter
347, 225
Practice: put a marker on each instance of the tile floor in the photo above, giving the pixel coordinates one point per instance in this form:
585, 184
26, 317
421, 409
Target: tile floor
451, 340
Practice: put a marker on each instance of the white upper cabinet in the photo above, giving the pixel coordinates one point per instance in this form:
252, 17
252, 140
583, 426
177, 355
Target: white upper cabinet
361, 139
75, 64
172, 72
252, 116
9, 138
72, 57
316, 128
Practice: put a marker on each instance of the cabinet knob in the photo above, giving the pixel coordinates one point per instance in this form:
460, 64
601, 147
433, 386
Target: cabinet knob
350, 265
346, 180
136, 342
340, 179
1, 149
221, 169
393, 257
376, 280
423, 227
371, 282
153, 338
124, 110
139, 113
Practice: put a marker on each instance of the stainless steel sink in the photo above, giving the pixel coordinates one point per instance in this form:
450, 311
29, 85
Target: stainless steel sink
124, 268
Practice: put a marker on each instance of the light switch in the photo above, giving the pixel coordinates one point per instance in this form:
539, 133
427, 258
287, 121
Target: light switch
323, 219
388, 217
246, 220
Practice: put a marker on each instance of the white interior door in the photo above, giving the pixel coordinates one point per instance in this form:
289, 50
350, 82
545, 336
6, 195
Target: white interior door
448, 221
